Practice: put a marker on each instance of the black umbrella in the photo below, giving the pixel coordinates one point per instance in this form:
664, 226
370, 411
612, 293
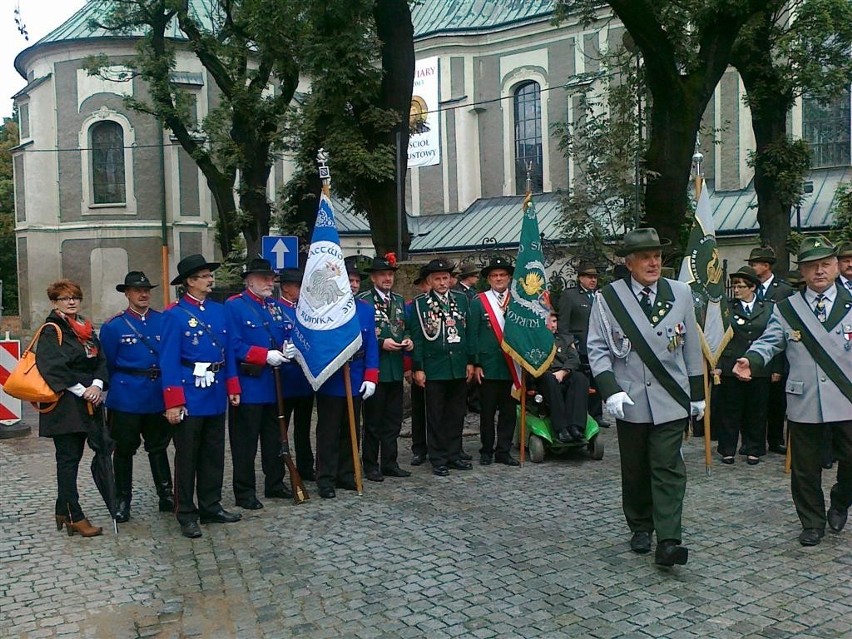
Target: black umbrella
102, 469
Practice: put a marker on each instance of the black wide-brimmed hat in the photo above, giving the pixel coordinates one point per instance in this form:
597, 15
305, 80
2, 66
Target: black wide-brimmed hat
498, 262
420, 277
257, 265
587, 268
762, 254
386, 263
645, 239
351, 264
467, 269
815, 248
134, 279
438, 266
290, 276
191, 265
746, 273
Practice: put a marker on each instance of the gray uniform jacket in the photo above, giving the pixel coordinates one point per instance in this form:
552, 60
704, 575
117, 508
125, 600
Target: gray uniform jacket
672, 313
812, 398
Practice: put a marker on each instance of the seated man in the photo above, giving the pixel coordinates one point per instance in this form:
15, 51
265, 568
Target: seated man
565, 388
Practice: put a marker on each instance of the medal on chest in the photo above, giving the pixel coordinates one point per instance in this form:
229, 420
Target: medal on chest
676, 336
847, 335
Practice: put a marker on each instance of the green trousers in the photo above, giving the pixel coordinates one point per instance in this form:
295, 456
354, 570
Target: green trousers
653, 477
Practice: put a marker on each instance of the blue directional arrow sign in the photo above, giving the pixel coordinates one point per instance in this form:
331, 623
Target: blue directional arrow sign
282, 251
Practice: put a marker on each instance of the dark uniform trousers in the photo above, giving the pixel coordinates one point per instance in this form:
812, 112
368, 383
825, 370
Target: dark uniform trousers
653, 476
807, 441
445, 409
418, 421
128, 430
567, 400
335, 465
199, 460
743, 412
246, 424
69, 451
382, 423
496, 395
776, 412
298, 412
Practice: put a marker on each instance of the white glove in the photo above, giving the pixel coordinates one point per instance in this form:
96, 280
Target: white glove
289, 351
696, 409
615, 404
275, 358
367, 389
201, 374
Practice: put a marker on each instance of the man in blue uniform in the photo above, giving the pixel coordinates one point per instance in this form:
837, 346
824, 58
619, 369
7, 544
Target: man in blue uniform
256, 325
131, 343
298, 394
335, 466
199, 380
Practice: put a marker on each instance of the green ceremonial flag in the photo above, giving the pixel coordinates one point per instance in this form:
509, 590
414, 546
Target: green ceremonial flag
526, 337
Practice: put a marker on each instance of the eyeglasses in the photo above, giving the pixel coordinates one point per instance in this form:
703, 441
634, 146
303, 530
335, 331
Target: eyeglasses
741, 286
209, 276
69, 299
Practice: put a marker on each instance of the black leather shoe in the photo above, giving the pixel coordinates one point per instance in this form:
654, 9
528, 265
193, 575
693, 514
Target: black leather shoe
374, 475
640, 542
837, 518
485, 460
779, 449
603, 423
347, 485
191, 530
418, 460
669, 553
441, 471
463, 455
326, 492
396, 472
828, 465
250, 504
221, 517
576, 434
460, 464
167, 505
811, 536
728, 459
751, 460
563, 436
507, 461
122, 513
279, 492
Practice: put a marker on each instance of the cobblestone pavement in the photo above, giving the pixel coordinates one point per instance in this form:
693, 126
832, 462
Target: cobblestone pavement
495, 552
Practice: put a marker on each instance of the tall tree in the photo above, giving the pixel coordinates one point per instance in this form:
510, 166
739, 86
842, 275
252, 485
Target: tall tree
250, 50
788, 49
8, 253
686, 47
362, 80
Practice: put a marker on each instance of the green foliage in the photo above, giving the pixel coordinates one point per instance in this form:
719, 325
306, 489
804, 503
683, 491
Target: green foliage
606, 144
785, 162
8, 252
842, 209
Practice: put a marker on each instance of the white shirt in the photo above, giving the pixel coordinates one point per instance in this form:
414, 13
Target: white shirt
747, 306
846, 282
830, 293
765, 285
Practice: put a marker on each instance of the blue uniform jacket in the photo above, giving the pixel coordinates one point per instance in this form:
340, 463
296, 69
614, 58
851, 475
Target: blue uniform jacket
132, 343
186, 341
293, 380
364, 364
256, 326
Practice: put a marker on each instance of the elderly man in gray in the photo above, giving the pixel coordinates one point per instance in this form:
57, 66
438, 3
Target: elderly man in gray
814, 328
645, 353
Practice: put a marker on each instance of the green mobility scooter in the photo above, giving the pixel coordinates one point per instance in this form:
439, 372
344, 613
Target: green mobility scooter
541, 437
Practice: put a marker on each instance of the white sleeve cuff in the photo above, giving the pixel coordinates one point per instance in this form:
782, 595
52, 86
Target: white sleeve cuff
99, 383
78, 389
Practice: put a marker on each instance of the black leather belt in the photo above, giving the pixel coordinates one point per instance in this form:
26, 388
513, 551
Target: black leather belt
359, 354
215, 367
150, 373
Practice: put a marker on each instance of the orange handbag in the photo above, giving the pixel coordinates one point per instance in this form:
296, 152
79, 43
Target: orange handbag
25, 381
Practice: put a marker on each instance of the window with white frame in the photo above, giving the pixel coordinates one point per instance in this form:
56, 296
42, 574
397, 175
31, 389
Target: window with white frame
528, 141
107, 163
826, 129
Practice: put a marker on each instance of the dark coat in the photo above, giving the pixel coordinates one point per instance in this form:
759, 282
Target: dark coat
778, 290
566, 357
574, 310
62, 367
747, 330
486, 350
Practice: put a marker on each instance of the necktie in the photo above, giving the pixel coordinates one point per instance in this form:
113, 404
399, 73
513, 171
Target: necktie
761, 292
746, 310
819, 308
645, 301
849, 284
590, 295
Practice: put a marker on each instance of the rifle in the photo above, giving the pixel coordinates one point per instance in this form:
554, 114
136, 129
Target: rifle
300, 493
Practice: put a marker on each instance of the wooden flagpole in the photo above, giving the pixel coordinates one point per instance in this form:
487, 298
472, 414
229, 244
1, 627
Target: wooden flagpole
708, 454
523, 436
353, 433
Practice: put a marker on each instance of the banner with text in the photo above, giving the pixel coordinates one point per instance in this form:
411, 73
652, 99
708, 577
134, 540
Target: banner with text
424, 143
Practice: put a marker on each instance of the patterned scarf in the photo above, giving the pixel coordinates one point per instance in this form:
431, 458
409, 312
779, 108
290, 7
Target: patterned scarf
83, 330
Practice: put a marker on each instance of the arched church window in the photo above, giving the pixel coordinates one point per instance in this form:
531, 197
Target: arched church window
528, 145
107, 143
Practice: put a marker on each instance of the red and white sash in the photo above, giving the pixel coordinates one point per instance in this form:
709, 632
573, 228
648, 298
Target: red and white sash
497, 320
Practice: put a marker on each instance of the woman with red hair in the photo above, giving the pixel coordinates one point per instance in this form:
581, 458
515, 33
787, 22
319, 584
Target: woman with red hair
75, 366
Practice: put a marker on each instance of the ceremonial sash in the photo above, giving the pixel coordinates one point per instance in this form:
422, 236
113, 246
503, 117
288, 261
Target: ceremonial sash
812, 344
497, 321
649, 358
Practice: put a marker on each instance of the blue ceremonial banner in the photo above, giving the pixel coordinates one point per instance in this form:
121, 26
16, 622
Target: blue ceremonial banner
327, 332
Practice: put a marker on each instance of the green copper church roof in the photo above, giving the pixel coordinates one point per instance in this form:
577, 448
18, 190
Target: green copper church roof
431, 17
